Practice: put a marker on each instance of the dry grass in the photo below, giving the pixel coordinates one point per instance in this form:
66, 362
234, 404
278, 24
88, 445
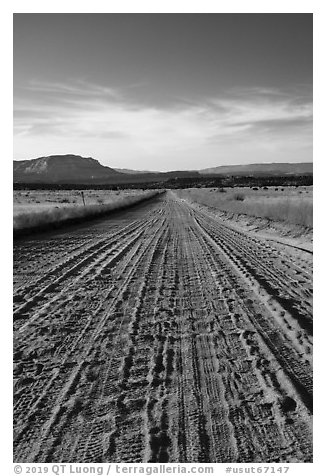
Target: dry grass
34, 200
35, 215
291, 205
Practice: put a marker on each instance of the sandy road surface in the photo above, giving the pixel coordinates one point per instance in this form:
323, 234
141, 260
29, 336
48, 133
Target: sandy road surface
161, 335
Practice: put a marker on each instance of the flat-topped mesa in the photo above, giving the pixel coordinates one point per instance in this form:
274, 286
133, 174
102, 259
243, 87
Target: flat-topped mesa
61, 168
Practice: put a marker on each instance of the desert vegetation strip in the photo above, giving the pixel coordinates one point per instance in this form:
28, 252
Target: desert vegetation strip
55, 217
290, 204
155, 339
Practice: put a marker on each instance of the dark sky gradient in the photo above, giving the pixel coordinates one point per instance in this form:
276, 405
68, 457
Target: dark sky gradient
182, 70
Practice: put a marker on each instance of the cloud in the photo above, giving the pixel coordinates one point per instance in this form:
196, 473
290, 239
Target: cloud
77, 88
102, 119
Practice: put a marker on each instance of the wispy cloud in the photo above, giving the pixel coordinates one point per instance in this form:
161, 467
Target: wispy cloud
76, 88
266, 111
244, 121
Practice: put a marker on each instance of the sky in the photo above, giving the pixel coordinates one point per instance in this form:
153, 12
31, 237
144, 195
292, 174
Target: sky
164, 91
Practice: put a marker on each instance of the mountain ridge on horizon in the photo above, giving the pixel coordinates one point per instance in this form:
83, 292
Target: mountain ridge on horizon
71, 168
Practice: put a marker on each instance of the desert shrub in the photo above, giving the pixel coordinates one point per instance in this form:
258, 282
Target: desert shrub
255, 188
222, 190
64, 200
238, 196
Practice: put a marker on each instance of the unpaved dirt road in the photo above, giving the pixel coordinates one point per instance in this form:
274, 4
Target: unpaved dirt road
161, 335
